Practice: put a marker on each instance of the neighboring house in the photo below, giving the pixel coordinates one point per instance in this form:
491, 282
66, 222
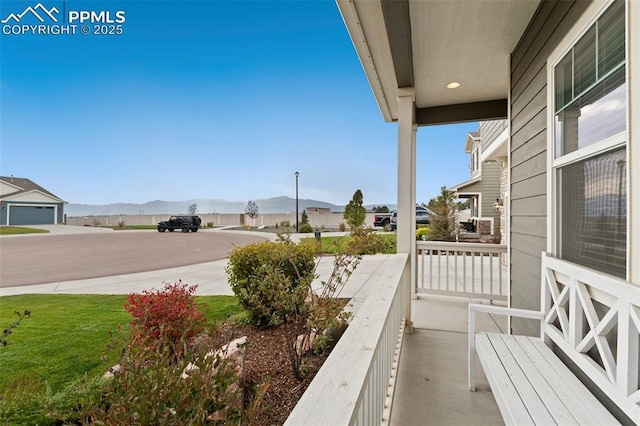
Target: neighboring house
23, 202
566, 76
484, 190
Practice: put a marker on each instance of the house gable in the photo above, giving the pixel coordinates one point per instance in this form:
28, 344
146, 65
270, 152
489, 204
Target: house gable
8, 188
33, 196
16, 185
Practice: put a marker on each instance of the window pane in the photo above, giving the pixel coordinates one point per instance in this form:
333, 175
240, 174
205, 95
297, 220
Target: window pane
611, 42
596, 115
584, 62
564, 81
593, 200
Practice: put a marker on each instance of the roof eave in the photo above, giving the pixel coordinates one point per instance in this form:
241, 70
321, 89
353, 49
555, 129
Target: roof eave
352, 21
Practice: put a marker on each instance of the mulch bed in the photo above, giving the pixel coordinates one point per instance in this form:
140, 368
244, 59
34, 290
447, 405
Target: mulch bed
266, 360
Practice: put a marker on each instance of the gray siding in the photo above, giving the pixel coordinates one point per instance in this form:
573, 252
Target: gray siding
528, 165
490, 188
490, 130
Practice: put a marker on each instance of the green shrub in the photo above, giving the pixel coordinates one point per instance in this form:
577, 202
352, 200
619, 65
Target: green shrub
305, 228
285, 224
365, 241
23, 401
153, 387
423, 233
256, 270
342, 227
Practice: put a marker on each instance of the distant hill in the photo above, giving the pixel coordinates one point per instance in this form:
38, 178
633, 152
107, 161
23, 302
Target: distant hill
269, 205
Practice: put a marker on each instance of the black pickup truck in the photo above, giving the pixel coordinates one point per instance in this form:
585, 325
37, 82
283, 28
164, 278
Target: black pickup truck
382, 220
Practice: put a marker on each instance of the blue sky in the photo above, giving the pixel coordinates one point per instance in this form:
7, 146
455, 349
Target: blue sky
205, 99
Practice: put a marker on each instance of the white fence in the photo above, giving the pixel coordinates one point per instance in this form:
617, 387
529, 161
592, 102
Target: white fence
355, 384
462, 269
319, 220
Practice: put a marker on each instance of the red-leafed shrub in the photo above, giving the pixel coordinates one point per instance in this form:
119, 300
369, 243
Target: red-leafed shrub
169, 313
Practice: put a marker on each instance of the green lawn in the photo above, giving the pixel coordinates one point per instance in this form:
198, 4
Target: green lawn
66, 335
334, 245
12, 230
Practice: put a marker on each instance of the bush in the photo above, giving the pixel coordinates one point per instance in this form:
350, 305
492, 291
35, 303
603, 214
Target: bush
167, 314
167, 373
151, 386
28, 400
209, 224
342, 227
255, 269
285, 224
305, 228
423, 233
365, 241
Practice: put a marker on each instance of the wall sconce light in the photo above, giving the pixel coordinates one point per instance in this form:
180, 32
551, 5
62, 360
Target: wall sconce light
498, 205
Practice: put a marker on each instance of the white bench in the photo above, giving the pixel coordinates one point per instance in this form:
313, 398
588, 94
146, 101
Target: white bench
529, 382
594, 320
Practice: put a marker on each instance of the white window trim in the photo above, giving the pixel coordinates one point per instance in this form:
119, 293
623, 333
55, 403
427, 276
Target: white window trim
584, 23
633, 147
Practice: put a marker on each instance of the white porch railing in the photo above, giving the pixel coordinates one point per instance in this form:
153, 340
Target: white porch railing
461, 269
355, 384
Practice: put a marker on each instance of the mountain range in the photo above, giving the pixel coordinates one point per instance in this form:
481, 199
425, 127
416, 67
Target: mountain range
269, 205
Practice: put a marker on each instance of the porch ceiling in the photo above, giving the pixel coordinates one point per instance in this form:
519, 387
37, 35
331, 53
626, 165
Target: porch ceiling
428, 44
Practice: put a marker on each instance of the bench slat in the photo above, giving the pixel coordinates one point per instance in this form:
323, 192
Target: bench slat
530, 366
521, 382
567, 385
511, 406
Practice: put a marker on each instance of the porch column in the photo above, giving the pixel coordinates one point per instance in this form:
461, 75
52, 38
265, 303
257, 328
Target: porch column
413, 256
406, 191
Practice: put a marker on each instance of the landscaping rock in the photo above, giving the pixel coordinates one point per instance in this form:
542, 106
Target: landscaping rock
110, 373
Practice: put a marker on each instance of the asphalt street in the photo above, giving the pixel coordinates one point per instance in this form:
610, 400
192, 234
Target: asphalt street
42, 258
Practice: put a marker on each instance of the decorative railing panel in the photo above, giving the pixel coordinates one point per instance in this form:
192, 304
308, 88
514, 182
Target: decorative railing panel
594, 318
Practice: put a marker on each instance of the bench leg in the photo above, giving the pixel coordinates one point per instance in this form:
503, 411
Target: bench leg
472, 351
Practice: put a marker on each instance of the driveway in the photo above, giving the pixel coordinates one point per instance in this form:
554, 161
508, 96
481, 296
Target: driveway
45, 258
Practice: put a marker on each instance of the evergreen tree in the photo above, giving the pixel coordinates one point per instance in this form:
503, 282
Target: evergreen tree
442, 223
354, 212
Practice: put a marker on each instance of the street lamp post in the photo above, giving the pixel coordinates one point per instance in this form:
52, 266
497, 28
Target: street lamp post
297, 174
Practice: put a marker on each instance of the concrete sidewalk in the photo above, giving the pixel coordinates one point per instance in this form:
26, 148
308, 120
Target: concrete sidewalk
210, 277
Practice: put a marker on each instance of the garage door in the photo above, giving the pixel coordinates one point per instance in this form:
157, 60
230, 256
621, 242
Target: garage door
28, 215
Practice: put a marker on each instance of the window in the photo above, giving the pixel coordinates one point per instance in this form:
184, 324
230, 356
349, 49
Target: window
475, 161
589, 137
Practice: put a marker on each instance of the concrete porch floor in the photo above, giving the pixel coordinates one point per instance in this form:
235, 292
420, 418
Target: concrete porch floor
432, 379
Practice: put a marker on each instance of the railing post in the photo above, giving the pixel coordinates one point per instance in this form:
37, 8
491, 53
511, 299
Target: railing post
472, 350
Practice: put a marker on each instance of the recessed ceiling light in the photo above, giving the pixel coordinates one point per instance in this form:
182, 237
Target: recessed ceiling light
453, 85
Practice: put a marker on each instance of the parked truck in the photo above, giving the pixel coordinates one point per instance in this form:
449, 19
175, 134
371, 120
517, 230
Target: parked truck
382, 220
